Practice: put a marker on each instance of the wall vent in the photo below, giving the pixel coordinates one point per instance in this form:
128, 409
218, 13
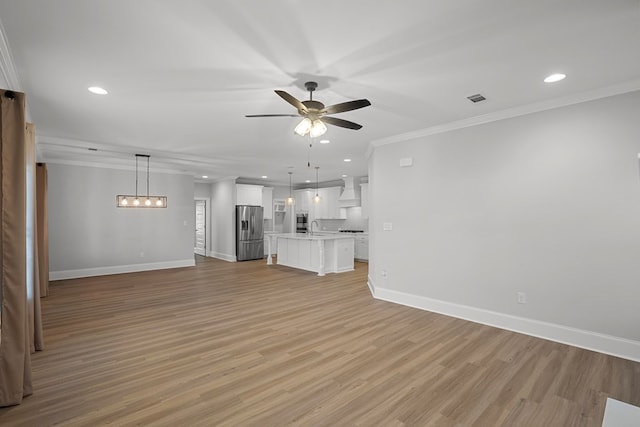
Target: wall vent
476, 98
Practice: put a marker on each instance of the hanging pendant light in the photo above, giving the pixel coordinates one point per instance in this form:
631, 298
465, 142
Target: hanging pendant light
133, 201
290, 200
316, 199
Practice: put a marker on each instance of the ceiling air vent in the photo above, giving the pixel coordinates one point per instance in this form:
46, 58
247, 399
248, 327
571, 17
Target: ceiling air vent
476, 98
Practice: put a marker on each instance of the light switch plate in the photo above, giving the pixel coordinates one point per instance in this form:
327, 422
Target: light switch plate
387, 226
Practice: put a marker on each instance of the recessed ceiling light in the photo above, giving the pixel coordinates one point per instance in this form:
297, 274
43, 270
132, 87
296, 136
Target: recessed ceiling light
554, 78
205, 176
347, 160
264, 177
344, 175
307, 180
324, 141
97, 90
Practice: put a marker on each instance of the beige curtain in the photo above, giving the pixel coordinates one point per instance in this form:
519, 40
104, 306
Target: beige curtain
19, 303
34, 316
42, 236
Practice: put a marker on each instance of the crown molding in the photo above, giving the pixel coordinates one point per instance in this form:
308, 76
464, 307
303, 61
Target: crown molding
8, 70
101, 165
578, 98
124, 153
7, 66
370, 149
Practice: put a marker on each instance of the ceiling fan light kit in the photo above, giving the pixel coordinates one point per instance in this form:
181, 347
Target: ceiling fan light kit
303, 127
315, 116
314, 129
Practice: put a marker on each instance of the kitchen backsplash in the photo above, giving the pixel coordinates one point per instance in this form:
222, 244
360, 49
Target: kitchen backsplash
344, 224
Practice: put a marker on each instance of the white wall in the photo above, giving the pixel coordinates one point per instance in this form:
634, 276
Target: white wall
89, 235
547, 204
223, 201
280, 192
201, 190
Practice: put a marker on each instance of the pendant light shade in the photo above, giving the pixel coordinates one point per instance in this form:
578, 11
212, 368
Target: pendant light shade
290, 200
318, 129
303, 127
316, 199
137, 201
314, 128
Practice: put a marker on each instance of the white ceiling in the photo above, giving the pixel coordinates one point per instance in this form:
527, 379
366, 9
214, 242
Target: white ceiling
181, 74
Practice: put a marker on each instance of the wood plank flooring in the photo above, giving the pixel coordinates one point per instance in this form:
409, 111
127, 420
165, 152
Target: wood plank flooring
246, 344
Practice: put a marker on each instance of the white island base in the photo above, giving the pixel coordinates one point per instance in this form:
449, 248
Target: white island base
319, 253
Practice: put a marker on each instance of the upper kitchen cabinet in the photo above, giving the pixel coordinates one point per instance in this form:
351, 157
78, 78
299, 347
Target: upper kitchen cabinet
303, 200
364, 199
247, 194
267, 202
329, 207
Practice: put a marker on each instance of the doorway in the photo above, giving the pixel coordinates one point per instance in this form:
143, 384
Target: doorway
200, 245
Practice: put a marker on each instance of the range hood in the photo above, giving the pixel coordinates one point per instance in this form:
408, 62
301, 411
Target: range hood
349, 197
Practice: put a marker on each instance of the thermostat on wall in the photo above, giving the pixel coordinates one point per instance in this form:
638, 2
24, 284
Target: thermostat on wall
406, 162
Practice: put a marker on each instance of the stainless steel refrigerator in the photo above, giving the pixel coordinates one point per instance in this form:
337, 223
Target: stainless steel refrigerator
249, 233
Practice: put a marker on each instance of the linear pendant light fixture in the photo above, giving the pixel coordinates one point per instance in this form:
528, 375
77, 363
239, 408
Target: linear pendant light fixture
136, 201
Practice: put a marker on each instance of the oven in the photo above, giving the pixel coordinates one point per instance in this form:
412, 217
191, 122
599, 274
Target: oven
301, 223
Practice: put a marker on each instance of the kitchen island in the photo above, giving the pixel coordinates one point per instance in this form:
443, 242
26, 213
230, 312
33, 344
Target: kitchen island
320, 253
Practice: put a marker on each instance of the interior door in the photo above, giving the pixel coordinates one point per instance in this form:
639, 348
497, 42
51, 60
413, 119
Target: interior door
200, 247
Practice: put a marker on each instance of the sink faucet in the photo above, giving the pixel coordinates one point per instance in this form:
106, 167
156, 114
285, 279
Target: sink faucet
311, 226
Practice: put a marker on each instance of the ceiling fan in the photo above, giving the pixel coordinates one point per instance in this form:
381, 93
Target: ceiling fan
314, 114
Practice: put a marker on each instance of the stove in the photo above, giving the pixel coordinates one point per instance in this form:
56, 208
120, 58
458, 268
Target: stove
352, 231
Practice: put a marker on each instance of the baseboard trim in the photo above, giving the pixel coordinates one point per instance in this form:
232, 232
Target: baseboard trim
372, 287
601, 343
222, 256
119, 269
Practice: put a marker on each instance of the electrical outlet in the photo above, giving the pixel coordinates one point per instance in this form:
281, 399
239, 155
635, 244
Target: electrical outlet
383, 273
522, 298
141, 254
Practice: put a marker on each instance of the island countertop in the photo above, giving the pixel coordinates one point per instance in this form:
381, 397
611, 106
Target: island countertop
308, 236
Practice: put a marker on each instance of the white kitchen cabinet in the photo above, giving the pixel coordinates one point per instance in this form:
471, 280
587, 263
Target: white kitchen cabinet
361, 247
319, 253
364, 199
333, 206
329, 207
303, 200
267, 202
320, 208
247, 194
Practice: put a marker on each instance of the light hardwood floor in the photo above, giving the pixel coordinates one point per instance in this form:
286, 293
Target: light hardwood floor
246, 344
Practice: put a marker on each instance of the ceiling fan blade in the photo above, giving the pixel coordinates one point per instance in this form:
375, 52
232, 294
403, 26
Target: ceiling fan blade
346, 106
342, 123
272, 115
291, 100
